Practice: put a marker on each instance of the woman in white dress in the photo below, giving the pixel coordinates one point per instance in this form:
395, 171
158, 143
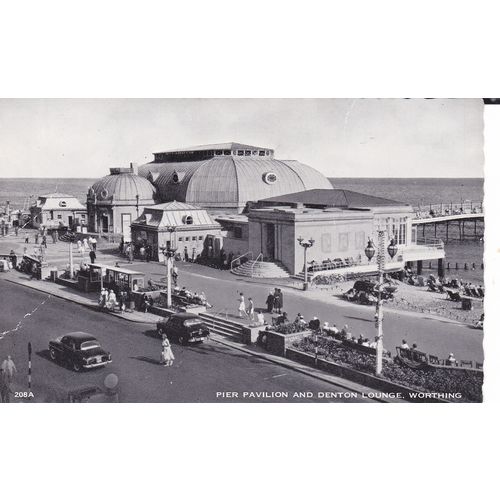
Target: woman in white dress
241, 307
167, 356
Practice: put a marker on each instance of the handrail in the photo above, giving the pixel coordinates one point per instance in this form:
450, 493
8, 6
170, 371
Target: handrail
255, 262
239, 258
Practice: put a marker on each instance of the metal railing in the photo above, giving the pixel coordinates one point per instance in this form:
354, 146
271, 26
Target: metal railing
260, 256
430, 242
448, 209
239, 259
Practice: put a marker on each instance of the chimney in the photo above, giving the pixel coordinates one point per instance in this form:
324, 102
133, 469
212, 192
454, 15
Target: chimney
133, 168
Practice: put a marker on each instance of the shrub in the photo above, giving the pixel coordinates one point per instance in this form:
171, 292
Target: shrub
467, 382
287, 328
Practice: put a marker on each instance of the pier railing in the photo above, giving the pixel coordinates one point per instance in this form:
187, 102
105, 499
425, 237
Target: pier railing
430, 242
451, 208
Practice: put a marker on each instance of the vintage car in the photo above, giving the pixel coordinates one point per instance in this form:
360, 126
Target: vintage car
183, 328
79, 350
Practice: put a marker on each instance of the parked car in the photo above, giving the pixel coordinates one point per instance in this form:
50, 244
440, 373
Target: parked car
79, 350
183, 328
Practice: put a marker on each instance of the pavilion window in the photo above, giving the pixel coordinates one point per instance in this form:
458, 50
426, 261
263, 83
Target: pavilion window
248, 152
241, 152
227, 152
262, 153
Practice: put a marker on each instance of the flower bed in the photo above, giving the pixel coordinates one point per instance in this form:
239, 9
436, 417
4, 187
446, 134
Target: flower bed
467, 382
287, 328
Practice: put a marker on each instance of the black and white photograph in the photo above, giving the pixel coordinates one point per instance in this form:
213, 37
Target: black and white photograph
261, 238
242, 250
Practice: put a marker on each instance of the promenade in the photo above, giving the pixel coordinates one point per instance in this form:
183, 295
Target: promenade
433, 334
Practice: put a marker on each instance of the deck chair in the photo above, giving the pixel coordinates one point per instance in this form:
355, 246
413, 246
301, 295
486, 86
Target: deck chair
455, 296
434, 360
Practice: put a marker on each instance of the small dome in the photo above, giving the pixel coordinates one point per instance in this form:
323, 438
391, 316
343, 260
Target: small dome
122, 185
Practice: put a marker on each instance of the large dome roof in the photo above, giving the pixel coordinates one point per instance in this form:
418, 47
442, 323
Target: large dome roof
122, 185
229, 180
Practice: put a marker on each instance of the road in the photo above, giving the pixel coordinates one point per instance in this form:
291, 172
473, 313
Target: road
199, 371
433, 335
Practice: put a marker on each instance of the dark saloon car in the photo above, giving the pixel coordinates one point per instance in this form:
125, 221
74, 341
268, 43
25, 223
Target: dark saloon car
183, 328
79, 350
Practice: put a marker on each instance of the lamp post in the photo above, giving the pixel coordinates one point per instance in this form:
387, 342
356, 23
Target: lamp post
305, 245
169, 253
370, 252
71, 240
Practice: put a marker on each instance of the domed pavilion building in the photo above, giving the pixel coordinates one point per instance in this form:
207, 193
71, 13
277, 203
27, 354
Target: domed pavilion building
224, 177
114, 201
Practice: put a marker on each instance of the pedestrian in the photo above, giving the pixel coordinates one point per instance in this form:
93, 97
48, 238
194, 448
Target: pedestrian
186, 254
9, 368
167, 356
130, 252
280, 300
92, 256
241, 307
36, 238
44, 241
149, 252
142, 252
16, 230
451, 361
270, 301
193, 255
26, 238
5, 390
404, 344
251, 309
121, 245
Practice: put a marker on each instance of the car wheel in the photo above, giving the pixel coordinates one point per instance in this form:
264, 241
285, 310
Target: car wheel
76, 366
53, 354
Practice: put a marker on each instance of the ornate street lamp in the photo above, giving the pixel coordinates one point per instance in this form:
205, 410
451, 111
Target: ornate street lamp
169, 253
392, 250
305, 245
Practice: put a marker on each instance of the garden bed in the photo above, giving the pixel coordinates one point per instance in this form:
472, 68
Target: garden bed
434, 379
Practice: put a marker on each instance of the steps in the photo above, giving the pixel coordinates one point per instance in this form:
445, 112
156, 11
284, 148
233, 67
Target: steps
260, 269
222, 326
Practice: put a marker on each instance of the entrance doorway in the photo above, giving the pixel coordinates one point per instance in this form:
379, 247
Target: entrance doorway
105, 223
270, 241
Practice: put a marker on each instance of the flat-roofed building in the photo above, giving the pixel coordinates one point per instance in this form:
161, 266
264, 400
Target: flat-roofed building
339, 221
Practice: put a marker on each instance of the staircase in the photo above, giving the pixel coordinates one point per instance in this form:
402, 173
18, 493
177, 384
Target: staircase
260, 269
219, 324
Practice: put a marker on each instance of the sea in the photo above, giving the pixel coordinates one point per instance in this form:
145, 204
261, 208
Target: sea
419, 192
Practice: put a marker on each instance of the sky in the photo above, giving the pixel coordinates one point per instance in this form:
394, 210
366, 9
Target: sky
338, 137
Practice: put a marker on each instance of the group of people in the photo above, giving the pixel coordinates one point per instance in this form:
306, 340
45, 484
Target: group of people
449, 361
109, 299
142, 250
274, 301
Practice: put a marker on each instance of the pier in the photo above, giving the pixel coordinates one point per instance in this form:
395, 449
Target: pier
444, 217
